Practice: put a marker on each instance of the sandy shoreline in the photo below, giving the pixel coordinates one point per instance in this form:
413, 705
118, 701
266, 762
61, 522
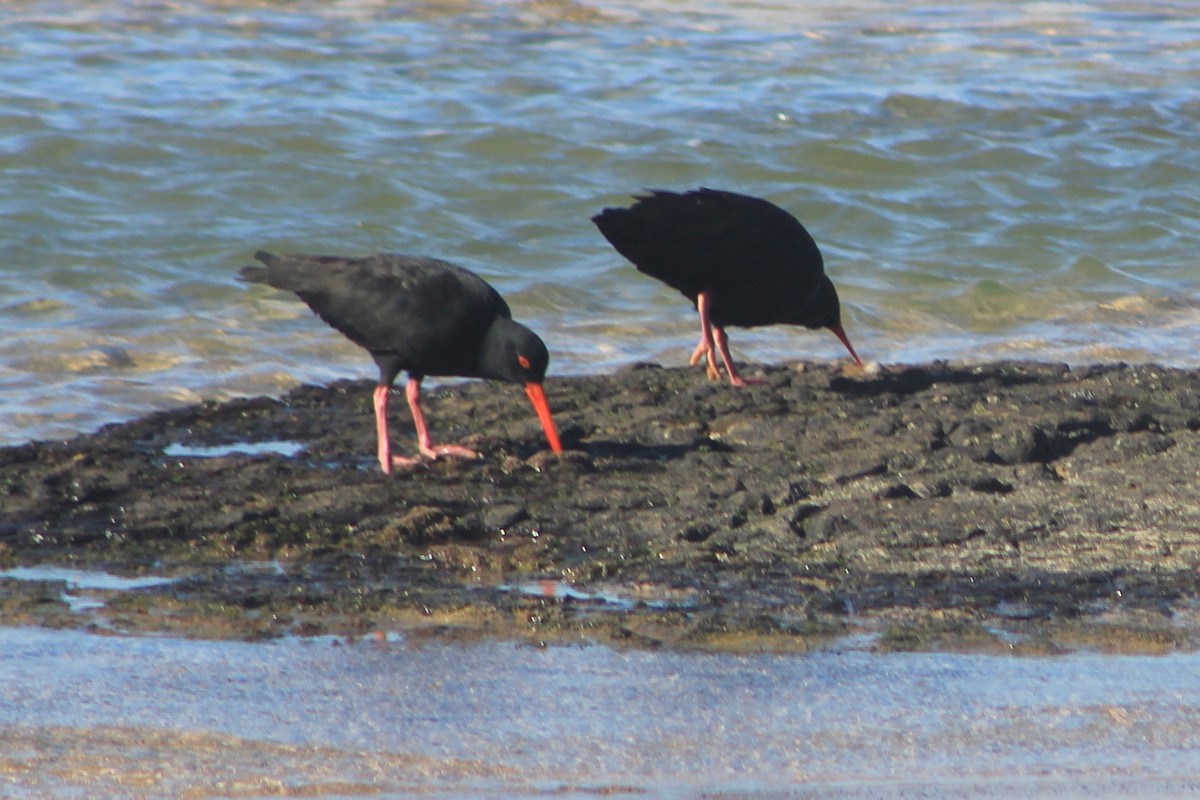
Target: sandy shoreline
999, 507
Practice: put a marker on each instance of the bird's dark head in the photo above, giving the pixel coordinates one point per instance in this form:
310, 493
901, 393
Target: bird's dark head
825, 311
821, 309
513, 353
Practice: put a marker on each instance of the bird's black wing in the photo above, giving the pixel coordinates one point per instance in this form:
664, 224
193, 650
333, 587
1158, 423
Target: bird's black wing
712, 240
426, 315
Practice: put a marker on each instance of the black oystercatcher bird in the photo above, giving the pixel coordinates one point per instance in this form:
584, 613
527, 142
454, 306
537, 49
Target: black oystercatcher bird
422, 315
741, 260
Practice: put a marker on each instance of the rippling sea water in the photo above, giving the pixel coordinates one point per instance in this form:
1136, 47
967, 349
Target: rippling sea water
986, 179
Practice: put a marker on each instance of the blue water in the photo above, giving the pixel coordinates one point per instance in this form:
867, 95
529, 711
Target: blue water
986, 179
170, 718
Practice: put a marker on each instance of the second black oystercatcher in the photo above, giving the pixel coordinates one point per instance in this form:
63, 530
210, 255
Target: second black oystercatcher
741, 260
420, 315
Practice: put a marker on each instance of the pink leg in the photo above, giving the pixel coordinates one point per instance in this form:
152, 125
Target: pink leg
702, 351
380, 400
413, 392
386, 459
722, 343
705, 348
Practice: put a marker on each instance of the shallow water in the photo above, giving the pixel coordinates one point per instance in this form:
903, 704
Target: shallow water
986, 179
276, 447
165, 717
83, 590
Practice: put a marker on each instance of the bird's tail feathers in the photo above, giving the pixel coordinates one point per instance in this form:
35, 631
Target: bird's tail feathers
254, 273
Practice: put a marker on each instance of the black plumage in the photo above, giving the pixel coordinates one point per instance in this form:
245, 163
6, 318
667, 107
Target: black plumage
741, 260
420, 315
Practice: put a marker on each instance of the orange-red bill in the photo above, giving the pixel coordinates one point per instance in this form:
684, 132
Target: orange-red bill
841, 334
538, 398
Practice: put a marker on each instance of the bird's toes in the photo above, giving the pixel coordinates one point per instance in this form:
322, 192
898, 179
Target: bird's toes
401, 462
450, 451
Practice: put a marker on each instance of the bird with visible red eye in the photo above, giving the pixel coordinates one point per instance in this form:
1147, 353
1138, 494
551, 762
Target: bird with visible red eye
420, 315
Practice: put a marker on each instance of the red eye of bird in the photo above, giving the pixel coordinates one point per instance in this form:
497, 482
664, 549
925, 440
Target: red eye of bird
523, 361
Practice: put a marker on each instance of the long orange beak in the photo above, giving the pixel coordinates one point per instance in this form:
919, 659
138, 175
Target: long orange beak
841, 334
538, 398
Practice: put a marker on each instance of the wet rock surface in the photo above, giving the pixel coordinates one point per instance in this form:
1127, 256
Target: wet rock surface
1001, 506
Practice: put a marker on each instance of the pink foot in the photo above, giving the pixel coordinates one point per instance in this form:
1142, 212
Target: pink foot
448, 450
400, 462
